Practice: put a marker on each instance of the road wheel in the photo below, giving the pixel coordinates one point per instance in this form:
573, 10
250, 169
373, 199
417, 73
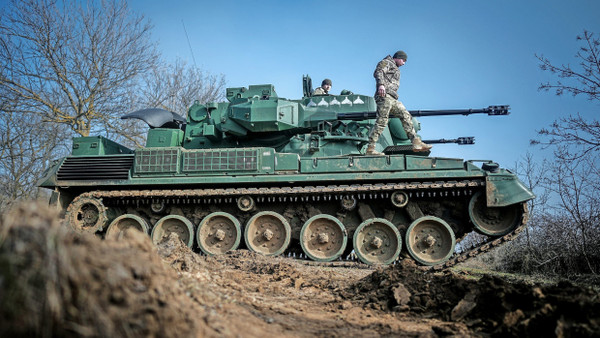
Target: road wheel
176, 224
267, 233
218, 233
430, 240
323, 238
377, 241
126, 222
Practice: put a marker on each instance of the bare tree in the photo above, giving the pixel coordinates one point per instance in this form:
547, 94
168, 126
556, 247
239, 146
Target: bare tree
74, 63
26, 149
574, 136
563, 236
74, 68
576, 183
583, 80
175, 87
563, 231
566, 235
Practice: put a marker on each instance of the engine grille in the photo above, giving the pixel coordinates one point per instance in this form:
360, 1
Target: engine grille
220, 160
157, 161
95, 168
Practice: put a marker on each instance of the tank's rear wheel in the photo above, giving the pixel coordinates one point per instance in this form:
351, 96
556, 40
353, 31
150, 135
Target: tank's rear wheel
323, 238
267, 233
87, 215
176, 224
218, 233
124, 223
430, 240
377, 241
493, 221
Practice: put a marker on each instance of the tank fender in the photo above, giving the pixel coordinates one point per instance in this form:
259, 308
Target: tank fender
48, 178
503, 190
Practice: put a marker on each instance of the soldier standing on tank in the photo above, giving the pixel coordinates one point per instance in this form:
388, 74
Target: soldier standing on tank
324, 89
387, 77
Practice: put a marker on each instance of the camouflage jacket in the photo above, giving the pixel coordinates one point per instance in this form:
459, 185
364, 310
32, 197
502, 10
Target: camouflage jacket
319, 91
387, 74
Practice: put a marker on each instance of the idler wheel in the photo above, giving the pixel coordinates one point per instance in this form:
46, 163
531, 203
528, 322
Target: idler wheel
493, 221
323, 238
87, 215
430, 240
126, 222
176, 224
377, 241
267, 233
218, 233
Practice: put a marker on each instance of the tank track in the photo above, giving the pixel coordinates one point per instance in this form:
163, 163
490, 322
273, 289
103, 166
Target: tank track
469, 253
485, 246
316, 193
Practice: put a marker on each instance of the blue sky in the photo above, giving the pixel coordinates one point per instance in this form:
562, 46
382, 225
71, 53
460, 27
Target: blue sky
461, 54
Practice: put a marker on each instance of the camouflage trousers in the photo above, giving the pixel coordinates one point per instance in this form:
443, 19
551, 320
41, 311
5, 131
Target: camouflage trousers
387, 106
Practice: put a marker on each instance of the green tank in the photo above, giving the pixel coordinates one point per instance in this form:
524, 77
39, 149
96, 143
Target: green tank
280, 176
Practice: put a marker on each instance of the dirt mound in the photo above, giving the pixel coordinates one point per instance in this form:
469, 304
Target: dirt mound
54, 282
489, 305
57, 283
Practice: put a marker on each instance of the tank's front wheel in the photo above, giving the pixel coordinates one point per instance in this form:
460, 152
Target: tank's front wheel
323, 238
377, 241
430, 240
493, 221
267, 233
218, 233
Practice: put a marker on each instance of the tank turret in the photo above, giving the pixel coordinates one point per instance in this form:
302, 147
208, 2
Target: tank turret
312, 126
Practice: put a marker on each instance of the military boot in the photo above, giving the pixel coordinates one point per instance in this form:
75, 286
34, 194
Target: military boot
371, 151
420, 146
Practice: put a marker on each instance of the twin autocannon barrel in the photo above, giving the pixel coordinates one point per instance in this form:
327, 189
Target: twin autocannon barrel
491, 110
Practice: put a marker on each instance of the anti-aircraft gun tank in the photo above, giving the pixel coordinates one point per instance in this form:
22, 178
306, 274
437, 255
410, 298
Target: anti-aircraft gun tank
279, 176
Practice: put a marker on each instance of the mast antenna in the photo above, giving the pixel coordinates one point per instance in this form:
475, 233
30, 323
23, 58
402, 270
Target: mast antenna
189, 44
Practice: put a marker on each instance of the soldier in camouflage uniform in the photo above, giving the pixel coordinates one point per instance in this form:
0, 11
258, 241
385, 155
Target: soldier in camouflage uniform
324, 89
387, 76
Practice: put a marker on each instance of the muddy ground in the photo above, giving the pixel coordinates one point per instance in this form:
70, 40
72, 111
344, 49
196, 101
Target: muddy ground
54, 282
